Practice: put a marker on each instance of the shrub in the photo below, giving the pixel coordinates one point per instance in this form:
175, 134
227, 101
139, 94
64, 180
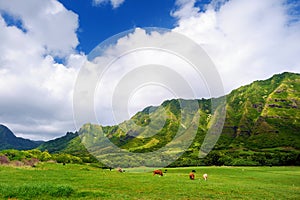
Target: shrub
17, 163
31, 162
4, 160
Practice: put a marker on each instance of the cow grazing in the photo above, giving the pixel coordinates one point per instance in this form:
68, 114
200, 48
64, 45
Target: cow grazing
205, 177
192, 175
120, 170
158, 171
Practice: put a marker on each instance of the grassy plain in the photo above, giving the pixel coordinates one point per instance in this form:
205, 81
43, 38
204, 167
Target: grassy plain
56, 181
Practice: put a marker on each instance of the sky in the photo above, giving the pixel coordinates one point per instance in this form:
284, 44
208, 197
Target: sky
44, 44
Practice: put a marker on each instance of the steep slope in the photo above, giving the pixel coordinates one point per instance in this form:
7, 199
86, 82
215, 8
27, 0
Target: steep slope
9, 141
56, 145
69, 143
264, 114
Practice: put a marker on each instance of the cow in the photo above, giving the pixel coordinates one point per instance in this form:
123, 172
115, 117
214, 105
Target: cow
158, 171
192, 175
205, 177
120, 170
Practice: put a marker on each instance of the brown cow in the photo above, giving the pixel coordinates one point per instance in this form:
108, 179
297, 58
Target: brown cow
192, 176
120, 170
158, 171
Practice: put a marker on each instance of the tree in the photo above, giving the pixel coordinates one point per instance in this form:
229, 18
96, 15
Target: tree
45, 156
214, 158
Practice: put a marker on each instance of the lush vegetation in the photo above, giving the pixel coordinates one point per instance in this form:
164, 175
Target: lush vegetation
261, 128
68, 144
264, 157
72, 181
33, 157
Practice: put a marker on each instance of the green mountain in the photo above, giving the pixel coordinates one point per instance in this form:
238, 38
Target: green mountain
9, 141
58, 144
264, 114
262, 123
70, 144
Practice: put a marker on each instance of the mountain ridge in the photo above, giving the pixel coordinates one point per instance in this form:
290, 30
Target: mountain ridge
8, 140
263, 114
260, 116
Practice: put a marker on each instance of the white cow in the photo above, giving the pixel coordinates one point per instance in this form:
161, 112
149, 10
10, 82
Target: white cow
205, 177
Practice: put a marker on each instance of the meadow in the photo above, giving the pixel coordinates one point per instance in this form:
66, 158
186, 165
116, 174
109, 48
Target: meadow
72, 181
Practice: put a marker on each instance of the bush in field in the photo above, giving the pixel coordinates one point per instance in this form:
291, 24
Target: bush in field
31, 162
62, 158
17, 163
14, 154
67, 158
45, 156
4, 160
34, 153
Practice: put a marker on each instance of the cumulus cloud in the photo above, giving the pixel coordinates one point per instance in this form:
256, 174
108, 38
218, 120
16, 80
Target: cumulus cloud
247, 40
114, 3
36, 91
50, 24
139, 69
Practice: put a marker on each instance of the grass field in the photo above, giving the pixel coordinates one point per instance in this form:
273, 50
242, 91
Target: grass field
55, 181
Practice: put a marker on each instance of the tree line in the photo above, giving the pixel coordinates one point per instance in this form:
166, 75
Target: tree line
215, 157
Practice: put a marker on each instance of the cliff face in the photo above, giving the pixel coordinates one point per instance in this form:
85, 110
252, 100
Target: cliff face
266, 113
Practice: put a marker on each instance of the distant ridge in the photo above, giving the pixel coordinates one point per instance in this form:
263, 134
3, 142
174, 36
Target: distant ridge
9, 141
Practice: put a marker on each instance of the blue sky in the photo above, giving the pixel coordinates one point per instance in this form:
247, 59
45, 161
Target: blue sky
99, 22
44, 44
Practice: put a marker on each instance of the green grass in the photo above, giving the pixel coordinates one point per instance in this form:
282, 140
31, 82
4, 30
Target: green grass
55, 181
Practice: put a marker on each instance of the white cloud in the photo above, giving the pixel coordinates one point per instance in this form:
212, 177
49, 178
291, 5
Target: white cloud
114, 3
186, 9
247, 40
36, 91
46, 22
146, 70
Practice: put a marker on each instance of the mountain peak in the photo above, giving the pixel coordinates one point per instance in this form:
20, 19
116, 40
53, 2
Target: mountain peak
6, 133
8, 140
